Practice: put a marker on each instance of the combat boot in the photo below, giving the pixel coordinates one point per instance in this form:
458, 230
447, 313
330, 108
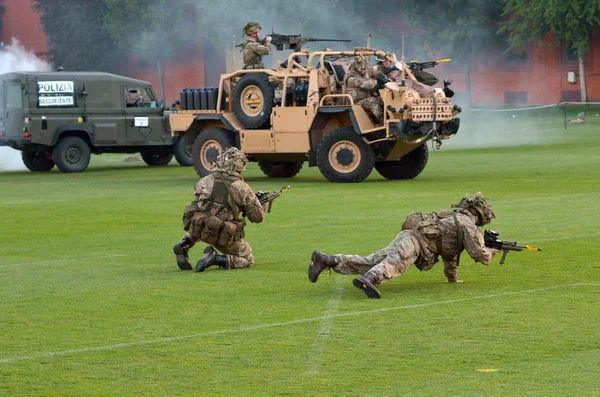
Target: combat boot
181, 253
319, 262
211, 258
366, 282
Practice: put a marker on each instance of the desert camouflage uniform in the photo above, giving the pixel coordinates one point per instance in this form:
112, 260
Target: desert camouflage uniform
362, 89
422, 246
252, 53
239, 252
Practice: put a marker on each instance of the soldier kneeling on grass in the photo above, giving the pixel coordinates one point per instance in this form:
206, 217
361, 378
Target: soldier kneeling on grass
214, 216
424, 237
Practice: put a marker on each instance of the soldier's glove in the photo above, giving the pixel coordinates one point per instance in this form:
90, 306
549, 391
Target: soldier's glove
447, 82
381, 81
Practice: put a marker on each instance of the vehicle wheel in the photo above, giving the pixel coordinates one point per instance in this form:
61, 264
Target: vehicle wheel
343, 156
280, 169
157, 158
408, 167
253, 100
72, 154
38, 161
183, 153
207, 146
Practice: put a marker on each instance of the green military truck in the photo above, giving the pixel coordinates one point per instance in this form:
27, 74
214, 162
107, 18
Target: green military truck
61, 118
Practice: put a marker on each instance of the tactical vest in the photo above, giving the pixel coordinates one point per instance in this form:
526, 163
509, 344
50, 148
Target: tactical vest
209, 222
254, 60
355, 92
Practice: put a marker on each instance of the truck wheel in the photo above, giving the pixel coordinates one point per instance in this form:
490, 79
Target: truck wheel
253, 100
280, 169
72, 154
343, 156
156, 158
38, 161
408, 167
207, 146
183, 153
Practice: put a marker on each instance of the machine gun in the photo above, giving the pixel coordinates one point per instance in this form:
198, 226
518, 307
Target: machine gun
491, 241
268, 197
414, 65
294, 41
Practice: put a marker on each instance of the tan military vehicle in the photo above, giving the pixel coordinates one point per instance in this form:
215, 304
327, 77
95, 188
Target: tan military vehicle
284, 117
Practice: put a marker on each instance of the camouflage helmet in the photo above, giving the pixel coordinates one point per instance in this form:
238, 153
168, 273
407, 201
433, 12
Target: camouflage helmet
251, 27
359, 63
480, 205
230, 161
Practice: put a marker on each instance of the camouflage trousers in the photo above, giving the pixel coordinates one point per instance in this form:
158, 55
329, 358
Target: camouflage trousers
239, 254
384, 264
373, 105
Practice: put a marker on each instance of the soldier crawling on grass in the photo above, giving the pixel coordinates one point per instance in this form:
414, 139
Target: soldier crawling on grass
253, 48
424, 237
214, 216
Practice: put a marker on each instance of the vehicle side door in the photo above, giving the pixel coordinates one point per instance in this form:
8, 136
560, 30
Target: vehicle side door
144, 117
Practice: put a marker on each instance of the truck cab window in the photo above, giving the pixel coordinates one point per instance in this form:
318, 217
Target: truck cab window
138, 97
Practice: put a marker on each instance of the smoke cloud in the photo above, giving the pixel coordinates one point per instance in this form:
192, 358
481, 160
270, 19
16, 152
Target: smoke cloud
15, 58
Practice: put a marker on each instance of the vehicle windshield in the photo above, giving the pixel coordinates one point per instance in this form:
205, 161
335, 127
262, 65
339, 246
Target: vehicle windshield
138, 97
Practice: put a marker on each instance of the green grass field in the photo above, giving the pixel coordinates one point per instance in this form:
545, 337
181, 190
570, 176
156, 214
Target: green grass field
93, 304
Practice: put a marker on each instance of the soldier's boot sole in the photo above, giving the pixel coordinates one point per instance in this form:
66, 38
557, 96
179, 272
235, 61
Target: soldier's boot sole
181, 255
370, 290
209, 259
313, 269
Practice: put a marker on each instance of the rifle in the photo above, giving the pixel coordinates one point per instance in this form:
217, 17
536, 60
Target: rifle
491, 240
414, 65
268, 197
294, 41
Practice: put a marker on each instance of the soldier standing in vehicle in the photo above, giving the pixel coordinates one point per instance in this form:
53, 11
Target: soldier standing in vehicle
446, 236
253, 48
387, 69
214, 216
363, 88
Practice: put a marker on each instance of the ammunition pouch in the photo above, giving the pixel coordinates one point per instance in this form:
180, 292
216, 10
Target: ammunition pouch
429, 235
212, 230
188, 214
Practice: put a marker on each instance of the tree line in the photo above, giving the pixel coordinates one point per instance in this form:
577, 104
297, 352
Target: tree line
94, 34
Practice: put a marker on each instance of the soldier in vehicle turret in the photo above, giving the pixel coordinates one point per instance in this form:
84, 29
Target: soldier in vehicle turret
253, 49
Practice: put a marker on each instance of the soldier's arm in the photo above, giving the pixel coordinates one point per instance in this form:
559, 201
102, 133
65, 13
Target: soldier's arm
474, 244
261, 49
203, 188
250, 204
451, 269
365, 83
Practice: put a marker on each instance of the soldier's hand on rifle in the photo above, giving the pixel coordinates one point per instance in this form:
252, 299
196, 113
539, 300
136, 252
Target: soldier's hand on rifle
493, 251
267, 39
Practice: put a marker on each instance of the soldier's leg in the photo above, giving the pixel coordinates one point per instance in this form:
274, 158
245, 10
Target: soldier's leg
343, 264
239, 254
372, 105
181, 252
402, 253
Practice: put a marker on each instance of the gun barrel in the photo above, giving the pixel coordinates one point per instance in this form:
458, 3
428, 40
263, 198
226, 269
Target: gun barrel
338, 40
532, 248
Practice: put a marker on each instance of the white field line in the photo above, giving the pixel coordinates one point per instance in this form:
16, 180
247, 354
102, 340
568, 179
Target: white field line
63, 260
284, 323
318, 347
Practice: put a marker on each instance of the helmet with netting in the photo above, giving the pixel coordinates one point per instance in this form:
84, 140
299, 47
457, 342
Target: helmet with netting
359, 63
230, 161
478, 203
251, 27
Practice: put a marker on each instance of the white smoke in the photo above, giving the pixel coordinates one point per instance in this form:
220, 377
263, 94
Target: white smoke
15, 58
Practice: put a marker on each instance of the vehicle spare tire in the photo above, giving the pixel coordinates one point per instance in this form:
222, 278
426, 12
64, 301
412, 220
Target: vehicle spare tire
280, 169
253, 100
408, 167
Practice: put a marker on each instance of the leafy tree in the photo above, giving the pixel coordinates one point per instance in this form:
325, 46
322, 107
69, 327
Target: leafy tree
459, 29
76, 35
153, 29
571, 21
